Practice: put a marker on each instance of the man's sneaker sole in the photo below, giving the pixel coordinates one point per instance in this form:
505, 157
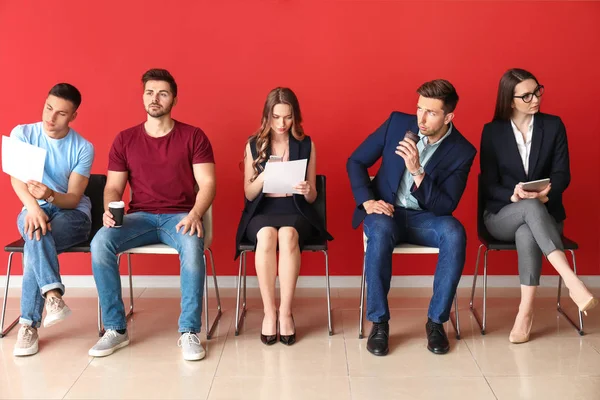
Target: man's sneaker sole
107, 352
56, 318
194, 357
28, 351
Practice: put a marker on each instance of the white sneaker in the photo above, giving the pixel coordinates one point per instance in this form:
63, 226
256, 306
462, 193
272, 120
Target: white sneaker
110, 342
191, 348
27, 342
56, 311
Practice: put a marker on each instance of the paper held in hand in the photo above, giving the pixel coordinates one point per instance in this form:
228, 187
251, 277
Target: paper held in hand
22, 160
281, 177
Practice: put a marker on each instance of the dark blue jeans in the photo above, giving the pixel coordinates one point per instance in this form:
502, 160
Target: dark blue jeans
421, 228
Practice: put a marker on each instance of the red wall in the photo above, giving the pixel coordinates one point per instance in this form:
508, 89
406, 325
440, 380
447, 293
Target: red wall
350, 63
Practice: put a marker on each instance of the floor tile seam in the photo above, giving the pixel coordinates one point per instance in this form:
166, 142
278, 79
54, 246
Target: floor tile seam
77, 379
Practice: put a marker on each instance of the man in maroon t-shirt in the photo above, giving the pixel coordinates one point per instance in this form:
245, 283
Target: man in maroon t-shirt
163, 160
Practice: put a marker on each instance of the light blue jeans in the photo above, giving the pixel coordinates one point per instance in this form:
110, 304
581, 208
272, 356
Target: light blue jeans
140, 229
40, 258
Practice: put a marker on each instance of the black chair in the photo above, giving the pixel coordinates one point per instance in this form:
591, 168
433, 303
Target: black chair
492, 244
95, 191
316, 244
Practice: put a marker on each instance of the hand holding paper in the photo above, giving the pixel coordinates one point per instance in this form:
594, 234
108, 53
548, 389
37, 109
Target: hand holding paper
22, 160
282, 177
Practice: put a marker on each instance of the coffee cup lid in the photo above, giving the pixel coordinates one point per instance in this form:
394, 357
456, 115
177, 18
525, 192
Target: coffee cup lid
117, 204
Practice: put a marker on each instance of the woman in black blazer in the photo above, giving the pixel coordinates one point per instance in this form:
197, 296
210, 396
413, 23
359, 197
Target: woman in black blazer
522, 144
283, 222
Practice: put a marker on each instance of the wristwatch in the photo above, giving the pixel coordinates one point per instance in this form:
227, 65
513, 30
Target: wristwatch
50, 198
418, 172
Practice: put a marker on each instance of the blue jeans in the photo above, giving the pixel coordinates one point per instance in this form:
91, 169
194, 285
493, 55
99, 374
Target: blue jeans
415, 227
40, 258
140, 229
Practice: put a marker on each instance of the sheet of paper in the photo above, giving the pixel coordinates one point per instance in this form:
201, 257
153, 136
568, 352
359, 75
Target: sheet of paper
22, 160
281, 177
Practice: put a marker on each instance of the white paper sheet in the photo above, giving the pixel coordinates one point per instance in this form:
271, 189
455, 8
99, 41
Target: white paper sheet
22, 160
281, 177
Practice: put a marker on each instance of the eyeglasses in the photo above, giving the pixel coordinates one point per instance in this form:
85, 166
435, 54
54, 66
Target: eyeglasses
527, 97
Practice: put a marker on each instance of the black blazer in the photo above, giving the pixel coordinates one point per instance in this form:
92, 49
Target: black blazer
298, 150
502, 168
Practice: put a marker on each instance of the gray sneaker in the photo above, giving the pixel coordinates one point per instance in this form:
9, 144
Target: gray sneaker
191, 348
27, 342
56, 311
109, 343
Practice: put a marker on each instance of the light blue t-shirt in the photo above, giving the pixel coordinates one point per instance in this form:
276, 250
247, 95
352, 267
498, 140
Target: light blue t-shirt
64, 156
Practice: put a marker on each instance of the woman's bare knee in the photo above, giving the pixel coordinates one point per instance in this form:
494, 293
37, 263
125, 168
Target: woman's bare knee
266, 238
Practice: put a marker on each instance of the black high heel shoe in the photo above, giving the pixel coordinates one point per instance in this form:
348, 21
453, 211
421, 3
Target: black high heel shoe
269, 339
289, 340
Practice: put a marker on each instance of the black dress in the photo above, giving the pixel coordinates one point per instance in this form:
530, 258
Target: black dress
277, 212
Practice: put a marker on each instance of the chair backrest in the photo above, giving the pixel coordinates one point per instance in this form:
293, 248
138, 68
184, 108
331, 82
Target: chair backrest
208, 227
320, 203
95, 191
481, 229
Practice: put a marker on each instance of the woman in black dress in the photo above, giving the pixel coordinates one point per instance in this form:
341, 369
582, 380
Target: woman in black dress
279, 222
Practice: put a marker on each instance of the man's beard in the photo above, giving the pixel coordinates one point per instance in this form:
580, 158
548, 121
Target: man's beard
158, 112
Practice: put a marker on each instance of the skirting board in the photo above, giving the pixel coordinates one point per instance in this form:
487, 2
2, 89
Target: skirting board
413, 281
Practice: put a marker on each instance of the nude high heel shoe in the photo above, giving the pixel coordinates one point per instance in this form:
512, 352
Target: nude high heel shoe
519, 337
582, 297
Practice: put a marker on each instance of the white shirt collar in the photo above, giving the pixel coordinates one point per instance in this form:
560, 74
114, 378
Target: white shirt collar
518, 133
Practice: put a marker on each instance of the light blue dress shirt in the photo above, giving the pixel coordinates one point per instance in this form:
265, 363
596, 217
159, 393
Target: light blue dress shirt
403, 196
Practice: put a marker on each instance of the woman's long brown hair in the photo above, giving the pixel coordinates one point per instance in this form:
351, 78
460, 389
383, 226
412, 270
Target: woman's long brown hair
263, 135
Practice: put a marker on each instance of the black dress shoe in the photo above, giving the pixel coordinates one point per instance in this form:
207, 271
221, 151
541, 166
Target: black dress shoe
289, 340
378, 339
437, 341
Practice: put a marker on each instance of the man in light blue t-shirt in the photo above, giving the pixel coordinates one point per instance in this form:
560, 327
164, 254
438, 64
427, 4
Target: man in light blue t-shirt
56, 214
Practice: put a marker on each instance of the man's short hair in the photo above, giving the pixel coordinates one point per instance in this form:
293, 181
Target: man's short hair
442, 90
157, 74
68, 92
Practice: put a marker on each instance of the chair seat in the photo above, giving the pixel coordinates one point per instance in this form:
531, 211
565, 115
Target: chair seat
158, 248
310, 245
494, 244
17, 247
406, 248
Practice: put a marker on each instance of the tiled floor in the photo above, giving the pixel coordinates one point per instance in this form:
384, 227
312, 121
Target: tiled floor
556, 364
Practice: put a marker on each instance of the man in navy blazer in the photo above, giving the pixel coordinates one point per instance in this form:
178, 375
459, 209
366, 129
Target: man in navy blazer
411, 199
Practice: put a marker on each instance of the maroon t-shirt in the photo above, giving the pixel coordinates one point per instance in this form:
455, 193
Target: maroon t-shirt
160, 169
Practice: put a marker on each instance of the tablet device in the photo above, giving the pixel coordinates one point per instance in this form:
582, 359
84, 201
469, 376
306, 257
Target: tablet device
536, 186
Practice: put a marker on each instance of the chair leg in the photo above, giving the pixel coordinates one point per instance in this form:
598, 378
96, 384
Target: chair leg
362, 301
482, 322
559, 307
210, 328
240, 318
475, 277
4, 332
455, 321
130, 313
329, 324
100, 323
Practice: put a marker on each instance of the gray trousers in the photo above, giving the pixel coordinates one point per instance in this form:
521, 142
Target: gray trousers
534, 231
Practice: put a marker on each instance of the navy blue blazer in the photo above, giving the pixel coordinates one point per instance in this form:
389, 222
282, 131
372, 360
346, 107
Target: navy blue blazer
446, 171
502, 167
